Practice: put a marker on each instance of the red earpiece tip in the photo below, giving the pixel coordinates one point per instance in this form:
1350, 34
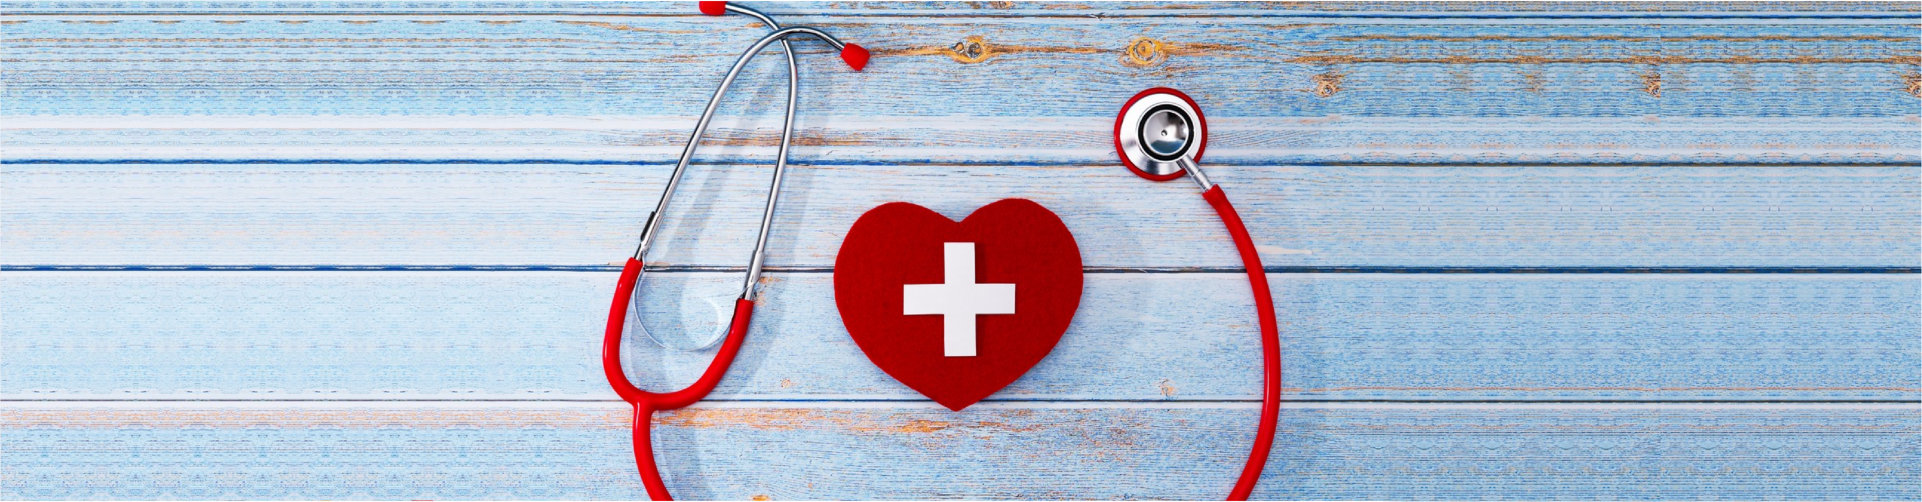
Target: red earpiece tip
856, 56
714, 8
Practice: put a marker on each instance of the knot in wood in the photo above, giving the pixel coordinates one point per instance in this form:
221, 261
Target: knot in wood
971, 50
1327, 84
1145, 52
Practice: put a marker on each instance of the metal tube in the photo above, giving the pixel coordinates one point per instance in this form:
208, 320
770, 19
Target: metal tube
824, 36
1187, 163
731, 7
748, 291
700, 127
654, 219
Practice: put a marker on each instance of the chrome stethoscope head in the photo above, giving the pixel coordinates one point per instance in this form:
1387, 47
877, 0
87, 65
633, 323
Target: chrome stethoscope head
1160, 134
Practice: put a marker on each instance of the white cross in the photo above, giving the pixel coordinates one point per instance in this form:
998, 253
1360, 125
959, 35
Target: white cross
957, 300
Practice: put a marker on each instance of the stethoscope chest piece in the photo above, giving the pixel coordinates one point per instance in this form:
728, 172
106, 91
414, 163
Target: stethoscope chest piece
1160, 131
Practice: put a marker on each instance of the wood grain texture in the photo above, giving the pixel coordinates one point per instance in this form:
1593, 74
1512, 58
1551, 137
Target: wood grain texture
488, 161
908, 141
1840, 89
1180, 337
979, 66
581, 450
1335, 216
1427, 8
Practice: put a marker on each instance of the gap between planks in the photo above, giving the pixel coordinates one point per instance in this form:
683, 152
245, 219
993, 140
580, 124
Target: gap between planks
930, 405
943, 16
701, 269
756, 161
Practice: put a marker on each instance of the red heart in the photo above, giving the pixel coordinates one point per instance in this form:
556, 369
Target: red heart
1016, 241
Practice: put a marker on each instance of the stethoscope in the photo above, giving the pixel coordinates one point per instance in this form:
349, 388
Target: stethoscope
1160, 135
1165, 134
646, 403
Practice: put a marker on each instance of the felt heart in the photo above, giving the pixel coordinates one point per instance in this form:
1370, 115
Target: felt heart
901, 257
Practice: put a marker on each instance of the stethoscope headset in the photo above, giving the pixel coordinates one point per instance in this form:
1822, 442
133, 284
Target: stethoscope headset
1160, 135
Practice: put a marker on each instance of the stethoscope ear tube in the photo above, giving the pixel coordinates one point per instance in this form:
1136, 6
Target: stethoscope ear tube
646, 403
611, 341
855, 55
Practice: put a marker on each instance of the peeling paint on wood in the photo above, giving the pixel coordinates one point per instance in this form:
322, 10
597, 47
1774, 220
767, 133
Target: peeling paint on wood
1327, 84
1357, 216
500, 335
976, 49
1073, 451
445, 176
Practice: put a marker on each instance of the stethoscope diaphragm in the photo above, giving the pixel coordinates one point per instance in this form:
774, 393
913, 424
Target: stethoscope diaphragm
1159, 132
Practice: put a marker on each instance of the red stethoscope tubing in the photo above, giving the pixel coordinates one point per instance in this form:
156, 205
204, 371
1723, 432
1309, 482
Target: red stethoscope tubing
1270, 344
1257, 282
646, 403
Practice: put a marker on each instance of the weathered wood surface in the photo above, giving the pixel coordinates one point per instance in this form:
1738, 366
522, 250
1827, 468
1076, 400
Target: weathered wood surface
1284, 86
939, 141
489, 161
1313, 216
865, 451
1416, 337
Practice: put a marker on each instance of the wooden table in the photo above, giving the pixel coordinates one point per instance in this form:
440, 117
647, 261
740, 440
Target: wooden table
1592, 250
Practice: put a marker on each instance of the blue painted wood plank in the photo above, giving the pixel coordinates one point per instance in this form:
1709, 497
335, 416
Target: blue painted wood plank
1358, 9
916, 141
1698, 136
1753, 72
1335, 216
1144, 337
1078, 451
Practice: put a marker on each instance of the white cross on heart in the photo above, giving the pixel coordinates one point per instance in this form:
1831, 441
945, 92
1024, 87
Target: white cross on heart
957, 300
